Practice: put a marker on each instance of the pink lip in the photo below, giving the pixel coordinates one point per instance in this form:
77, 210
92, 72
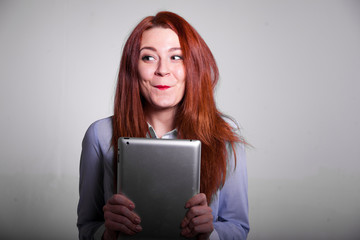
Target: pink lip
162, 87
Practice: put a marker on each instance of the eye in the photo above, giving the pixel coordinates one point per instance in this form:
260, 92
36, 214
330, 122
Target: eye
176, 57
147, 58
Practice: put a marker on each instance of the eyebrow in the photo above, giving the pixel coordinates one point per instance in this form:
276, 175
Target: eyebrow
154, 49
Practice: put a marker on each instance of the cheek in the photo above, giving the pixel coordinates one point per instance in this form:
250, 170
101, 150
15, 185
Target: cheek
145, 72
180, 74
144, 88
183, 90
180, 90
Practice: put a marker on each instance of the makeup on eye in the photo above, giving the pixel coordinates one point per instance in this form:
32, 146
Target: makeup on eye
147, 58
176, 57
151, 58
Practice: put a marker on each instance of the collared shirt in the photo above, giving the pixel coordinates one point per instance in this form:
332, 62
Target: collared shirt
169, 135
229, 205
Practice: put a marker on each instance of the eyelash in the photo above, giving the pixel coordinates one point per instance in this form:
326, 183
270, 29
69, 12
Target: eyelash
151, 58
147, 58
176, 56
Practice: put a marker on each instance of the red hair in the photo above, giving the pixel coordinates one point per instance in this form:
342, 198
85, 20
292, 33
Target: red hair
197, 116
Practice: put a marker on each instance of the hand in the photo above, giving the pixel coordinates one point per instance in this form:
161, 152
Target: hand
198, 220
120, 217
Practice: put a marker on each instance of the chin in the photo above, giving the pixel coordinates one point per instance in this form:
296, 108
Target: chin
164, 105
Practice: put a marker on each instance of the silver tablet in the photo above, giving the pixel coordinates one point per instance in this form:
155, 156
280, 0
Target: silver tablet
159, 176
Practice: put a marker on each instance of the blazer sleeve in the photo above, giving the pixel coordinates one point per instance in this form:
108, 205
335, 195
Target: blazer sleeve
233, 221
91, 201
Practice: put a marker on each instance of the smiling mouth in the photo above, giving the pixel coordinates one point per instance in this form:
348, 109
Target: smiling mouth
162, 87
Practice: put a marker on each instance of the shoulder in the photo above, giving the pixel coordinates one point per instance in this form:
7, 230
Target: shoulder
232, 123
102, 125
99, 132
238, 146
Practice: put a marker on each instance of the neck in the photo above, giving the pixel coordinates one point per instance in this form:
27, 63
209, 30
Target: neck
162, 120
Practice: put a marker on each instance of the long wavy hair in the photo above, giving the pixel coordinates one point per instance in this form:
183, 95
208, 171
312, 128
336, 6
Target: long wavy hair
197, 116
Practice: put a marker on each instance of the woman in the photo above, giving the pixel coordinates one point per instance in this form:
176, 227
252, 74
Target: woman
165, 88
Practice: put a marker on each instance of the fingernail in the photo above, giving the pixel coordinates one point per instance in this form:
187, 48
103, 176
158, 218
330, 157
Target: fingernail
138, 228
183, 224
137, 220
132, 206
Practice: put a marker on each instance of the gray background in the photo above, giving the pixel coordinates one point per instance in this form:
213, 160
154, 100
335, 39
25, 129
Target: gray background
290, 74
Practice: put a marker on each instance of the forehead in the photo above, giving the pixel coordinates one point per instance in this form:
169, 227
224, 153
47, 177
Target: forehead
160, 37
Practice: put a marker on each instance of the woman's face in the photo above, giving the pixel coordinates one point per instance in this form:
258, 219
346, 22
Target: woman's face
161, 68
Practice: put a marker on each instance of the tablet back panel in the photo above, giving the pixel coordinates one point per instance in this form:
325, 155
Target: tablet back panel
159, 176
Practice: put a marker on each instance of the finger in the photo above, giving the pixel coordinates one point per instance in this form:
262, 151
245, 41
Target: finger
115, 218
200, 220
198, 199
119, 199
184, 222
124, 211
120, 204
186, 232
115, 226
191, 228
197, 211
203, 228
206, 228
194, 212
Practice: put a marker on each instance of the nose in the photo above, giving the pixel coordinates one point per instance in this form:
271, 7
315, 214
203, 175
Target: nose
162, 68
